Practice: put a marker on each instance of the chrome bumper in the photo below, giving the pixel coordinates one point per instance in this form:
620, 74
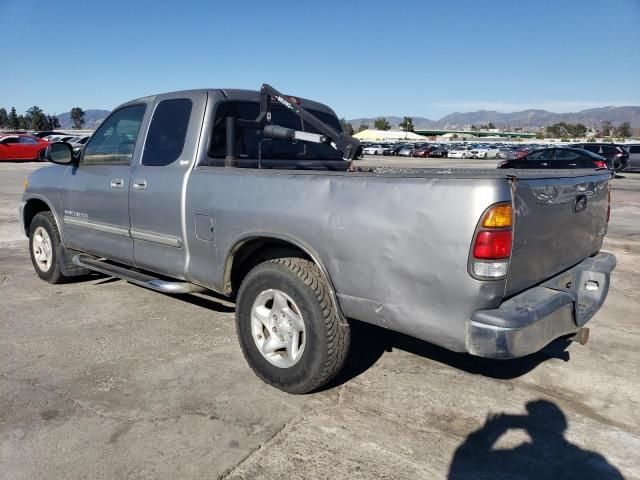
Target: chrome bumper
527, 322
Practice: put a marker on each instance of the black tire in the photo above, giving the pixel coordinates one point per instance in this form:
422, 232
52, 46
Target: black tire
47, 221
327, 336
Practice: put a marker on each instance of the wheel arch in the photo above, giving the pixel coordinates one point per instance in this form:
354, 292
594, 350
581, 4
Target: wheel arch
32, 207
253, 249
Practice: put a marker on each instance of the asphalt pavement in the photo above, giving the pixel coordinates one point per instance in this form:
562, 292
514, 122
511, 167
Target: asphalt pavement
103, 379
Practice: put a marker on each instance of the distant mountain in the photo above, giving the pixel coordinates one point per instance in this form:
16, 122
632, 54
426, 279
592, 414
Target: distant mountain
92, 118
533, 119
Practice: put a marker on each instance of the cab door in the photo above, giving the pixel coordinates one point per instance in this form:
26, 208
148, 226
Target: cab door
94, 197
156, 199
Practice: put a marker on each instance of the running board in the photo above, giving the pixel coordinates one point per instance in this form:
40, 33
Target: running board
136, 277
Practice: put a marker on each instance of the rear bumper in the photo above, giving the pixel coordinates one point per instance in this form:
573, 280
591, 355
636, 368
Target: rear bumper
527, 322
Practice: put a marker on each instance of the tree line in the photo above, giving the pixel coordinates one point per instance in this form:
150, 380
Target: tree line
380, 123
36, 119
579, 130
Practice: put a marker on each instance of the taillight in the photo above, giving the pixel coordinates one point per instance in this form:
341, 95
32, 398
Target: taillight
600, 164
608, 205
492, 243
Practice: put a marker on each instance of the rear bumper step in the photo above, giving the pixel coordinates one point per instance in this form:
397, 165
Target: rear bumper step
138, 278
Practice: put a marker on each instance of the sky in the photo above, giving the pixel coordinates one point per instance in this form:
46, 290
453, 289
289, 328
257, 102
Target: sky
363, 58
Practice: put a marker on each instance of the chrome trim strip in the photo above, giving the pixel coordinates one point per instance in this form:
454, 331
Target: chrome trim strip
156, 238
101, 227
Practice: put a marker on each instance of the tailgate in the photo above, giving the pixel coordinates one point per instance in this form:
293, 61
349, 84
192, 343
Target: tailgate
558, 223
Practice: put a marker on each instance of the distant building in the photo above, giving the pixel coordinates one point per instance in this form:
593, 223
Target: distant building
387, 136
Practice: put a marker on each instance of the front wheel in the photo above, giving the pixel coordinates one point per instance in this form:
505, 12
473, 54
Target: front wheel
289, 330
46, 247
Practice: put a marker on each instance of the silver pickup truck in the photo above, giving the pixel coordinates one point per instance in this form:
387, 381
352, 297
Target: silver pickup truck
255, 195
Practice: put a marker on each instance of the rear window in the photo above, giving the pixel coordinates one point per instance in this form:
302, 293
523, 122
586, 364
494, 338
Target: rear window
250, 144
167, 132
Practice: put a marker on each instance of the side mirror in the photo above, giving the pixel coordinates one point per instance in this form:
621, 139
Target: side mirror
60, 153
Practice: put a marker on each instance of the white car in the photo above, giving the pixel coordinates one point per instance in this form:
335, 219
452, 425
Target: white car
492, 152
460, 152
479, 152
373, 150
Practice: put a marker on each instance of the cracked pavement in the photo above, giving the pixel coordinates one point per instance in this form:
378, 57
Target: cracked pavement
103, 379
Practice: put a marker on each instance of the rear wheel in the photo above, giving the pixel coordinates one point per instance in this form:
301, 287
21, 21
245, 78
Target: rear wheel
45, 248
289, 330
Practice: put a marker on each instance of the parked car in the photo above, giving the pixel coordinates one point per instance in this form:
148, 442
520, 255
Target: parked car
616, 154
423, 152
460, 152
634, 156
506, 153
22, 147
47, 133
388, 149
397, 148
479, 152
406, 151
373, 150
79, 143
492, 152
438, 151
160, 199
557, 158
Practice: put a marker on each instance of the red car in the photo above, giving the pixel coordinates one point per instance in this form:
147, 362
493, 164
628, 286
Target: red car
423, 151
22, 147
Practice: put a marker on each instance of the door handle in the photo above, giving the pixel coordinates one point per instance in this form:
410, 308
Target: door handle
117, 183
140, 184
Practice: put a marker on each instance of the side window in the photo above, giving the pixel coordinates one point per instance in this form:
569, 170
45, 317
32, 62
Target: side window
592, 148
10, 140
534, 156
634, 149
250, 144
566, 155
167, 132
115, 139
28, 140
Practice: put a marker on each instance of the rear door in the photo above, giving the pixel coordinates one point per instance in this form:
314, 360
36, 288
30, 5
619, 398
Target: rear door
540, 159
567, 159
158, 181
95, 195
558, 223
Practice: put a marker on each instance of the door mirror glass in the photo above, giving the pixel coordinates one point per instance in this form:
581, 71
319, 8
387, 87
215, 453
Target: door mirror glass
60, 153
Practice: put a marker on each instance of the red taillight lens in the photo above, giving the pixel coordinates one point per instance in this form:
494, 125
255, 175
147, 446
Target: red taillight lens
492, 245
599, 164
609, 206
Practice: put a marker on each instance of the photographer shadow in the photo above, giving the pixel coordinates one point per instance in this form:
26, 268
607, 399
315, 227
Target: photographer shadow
548, 456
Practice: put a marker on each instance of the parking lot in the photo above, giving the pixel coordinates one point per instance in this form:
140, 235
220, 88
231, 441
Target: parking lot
103, 379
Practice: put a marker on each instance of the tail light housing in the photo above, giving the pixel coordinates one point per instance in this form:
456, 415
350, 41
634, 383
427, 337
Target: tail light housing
492, 242
608, 205
600, 164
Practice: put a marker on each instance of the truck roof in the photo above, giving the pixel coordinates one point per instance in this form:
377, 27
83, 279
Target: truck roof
233, 94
